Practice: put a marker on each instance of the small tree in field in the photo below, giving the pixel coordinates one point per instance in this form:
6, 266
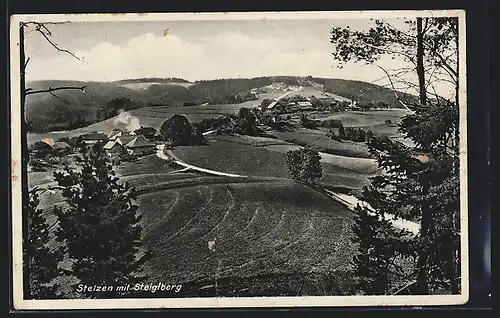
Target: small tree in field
101, 227
178, 131
304, 164
42, 260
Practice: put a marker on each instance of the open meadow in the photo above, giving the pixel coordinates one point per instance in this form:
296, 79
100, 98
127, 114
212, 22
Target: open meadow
265, 157
244, 229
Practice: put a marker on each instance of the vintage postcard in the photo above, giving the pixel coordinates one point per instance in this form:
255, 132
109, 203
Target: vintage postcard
215, 160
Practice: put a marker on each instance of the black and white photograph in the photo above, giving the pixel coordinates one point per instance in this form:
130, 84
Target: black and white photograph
285, 159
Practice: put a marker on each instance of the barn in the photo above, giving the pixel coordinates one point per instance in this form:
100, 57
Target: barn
141, 146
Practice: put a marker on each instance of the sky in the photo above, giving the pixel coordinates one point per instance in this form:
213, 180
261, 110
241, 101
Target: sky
196, 50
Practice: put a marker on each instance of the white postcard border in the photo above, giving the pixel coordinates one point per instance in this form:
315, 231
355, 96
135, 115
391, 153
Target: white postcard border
138, 303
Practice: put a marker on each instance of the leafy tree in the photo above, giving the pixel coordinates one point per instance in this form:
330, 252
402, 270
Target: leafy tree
331, 123
304, 164
247, 122
368, 135
101, 227
147, 132
307, 123
341, 131
122, 103
178, 131
332, 135
365, 105
43, 260
412, 183
266, 102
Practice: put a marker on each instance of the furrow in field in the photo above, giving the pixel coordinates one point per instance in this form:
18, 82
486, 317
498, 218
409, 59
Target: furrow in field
205, 206
250, 222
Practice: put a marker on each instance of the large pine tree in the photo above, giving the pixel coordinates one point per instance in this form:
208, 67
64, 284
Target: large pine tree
101, 227
420, 181
42, 259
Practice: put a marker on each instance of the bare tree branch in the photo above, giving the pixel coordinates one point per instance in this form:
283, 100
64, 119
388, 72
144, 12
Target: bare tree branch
404, 287
55, 45
26, 63
51, 93
42, 25
53, 89
450, 70
390, 51
409, 36
393, 89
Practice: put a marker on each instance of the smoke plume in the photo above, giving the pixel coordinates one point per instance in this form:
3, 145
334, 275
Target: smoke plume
130, 122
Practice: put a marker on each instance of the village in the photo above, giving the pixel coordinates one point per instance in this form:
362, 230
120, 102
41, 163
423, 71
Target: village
119, 144
127, 143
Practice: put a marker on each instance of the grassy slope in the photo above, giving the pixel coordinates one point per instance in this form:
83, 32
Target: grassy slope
317, 139
364, 91
45, 110
367, 118
258, 228
237, 155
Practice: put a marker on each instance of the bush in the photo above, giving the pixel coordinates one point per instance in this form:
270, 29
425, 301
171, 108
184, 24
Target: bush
53, 160
307, 123
37, 165
331, 134
147, 132
331, 123
304, 164
128, 157
368, 135
246, 122
355, 134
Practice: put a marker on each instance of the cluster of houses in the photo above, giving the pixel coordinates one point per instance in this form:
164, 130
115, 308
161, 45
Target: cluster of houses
47, 145
119, 141
290, 106
116, 142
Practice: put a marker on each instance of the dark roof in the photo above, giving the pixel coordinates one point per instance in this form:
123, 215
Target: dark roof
94, 136
60, 145
41, 145
148, 129
140, 141
126, 139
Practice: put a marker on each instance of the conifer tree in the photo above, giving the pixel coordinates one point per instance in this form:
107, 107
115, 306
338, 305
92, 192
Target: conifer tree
101, 227
420, 182
42, 260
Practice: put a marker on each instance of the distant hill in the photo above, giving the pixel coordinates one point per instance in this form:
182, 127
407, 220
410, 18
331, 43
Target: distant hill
46, 112
152, 80
363, 91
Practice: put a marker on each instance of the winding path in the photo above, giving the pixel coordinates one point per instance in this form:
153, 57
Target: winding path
160, 153
348, 200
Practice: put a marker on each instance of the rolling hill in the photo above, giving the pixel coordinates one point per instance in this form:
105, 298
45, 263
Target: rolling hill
47, 113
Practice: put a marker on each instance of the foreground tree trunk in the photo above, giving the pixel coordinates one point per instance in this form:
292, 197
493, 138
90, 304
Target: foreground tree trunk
24, 169
426, 220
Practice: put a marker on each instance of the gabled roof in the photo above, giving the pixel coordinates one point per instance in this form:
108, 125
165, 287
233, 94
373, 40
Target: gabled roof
140, 141
110, 144
60, 145
115, 133
272, 104
304, 103
124, 140
41, 145
94, 136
